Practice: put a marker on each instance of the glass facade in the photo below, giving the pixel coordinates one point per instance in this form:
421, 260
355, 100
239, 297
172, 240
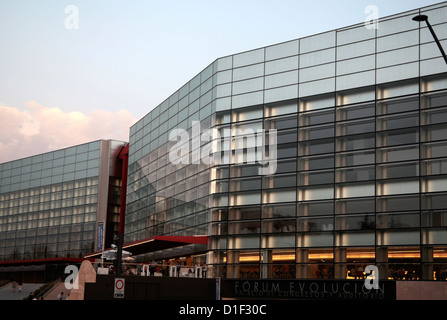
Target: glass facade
53, 204
359, 120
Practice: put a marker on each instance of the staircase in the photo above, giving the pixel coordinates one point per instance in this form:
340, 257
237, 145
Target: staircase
57, 289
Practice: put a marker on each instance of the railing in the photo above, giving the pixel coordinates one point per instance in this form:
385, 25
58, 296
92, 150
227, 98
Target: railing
158, 270
191, 272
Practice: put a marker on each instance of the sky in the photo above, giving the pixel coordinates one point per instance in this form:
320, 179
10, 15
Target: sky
76, 71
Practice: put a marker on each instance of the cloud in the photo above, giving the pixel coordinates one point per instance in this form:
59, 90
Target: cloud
38, 129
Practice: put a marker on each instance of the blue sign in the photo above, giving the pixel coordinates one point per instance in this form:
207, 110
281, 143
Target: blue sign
100, 237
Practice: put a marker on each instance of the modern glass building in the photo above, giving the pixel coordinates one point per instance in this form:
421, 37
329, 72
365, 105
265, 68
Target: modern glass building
350, 127
60, 204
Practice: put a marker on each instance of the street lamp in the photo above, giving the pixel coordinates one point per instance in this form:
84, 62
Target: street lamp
423, 17
119, 253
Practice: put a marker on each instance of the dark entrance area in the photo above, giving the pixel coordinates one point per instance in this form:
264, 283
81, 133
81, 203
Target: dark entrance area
36, 271
152, 288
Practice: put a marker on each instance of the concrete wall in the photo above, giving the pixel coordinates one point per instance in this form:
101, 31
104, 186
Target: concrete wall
152, 288
421, 290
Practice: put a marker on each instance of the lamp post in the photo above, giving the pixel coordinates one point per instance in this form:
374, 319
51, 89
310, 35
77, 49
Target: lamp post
421, 18
119, 254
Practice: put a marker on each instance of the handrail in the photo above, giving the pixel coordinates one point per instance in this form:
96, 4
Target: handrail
46, 288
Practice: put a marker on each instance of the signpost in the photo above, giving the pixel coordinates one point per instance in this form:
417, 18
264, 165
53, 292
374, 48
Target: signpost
119, 288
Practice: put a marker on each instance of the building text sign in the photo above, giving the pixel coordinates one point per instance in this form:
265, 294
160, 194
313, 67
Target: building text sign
310, 289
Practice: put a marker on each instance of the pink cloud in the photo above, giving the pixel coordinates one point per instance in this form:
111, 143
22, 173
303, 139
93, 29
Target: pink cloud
38, 129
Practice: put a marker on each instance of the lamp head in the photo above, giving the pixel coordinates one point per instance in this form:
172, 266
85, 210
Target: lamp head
420, 18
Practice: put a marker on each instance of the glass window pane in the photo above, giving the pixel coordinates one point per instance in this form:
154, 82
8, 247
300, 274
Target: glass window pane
356, 49
286, 136
277, 211
250, 57
317, 239
398, 153
356, 65
278, 241
315, 117
245, 198
316, 132
385, 91
317, 87
315, 193
355, 222
434, 132
399, 40
355, 190
281, 79
224, 63
253, 71
401, 220
354, 34
315, 177
315, 224
355, 158
399, 56
398, 137
348, 206
355, 127
434, 184
317, 72
279, 181
282, 50
356, 142
434, 149
317, 57
317, 42
434, 116
243, 242
355, 80
316, 147
438, 166
251, 227
398, 203
317, 162
248, 85
400, 170
398, 24
395, 106
398, 121
355, 239
281, 65
390, 237
248, 99
288, 92
277, 109
355, 174
355, 96
397, 187
400, 72
245, 213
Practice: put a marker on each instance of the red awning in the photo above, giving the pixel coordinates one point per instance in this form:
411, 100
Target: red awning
157, 243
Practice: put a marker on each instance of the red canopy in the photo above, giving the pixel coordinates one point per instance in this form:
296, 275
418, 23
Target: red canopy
157, 243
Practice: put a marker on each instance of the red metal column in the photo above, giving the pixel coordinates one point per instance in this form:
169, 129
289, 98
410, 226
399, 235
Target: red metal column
124, 156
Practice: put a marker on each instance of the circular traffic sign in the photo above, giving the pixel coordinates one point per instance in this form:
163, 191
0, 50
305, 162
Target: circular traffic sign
119, 284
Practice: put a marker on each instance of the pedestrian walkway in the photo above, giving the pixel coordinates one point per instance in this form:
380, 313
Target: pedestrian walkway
7, 294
